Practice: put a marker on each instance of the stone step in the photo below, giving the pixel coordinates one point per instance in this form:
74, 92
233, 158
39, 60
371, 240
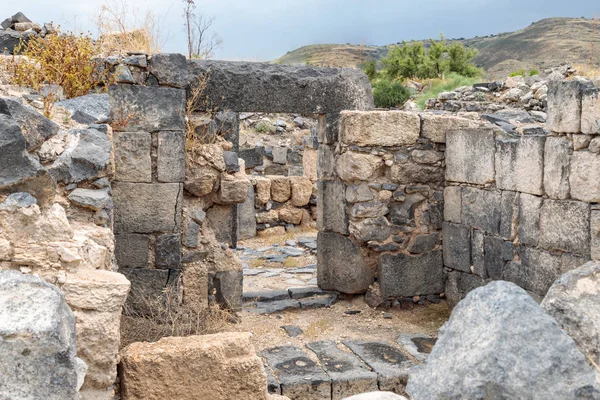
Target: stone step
266, 295
348, 374
299, 376
390, 364
269, 307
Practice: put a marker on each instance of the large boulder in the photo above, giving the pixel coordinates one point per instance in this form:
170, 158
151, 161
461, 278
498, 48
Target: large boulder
499, 344
89, 109
217, 367
19, 171
35, 127
574, 301
37, 336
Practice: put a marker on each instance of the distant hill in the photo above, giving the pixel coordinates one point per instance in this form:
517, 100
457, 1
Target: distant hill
542, 44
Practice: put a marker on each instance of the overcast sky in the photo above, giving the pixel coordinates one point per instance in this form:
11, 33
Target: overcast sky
262, 30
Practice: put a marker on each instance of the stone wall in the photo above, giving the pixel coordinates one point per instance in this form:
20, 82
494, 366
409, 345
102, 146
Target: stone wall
524, 208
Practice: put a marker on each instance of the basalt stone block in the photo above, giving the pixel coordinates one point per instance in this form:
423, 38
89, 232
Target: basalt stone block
131, 250
509, 214
529, 219
452, 203
132, 156
470, 156
556, 167
536, 272
147, 108
564, 106
35, 127
170, 164
275, 88
231, 161
147, 207
595, 234
456, 244
11, 39
88, 109
331, 213
403, 212
228, 127
520, 164
168, 251
221, 221
147, 288
565, 225
228, 288
459, 284
585, 175
369, 229
280, 155
247, 216
401, 275
477, 253
170, 69
481, 209
492, 256
252, 157
341, 265
376, 128
325, 162
423, 243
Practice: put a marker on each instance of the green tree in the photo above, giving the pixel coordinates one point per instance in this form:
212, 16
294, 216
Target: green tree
370, 68
460, 59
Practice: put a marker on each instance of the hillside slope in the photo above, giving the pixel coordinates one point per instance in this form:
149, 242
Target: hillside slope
540, 45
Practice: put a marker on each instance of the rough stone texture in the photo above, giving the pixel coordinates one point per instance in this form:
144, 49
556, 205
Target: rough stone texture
131, 250
247, 216
419, 346
457, 246
358, 193
301, 190
564, 106
536, 272
544, 362
331, 214
595, 234
509, 215
147, 108
221, 221
263, 190
458, 284
481, 209
168, 251
132, 156
228, 288
96, 297
281, 190
369, 229
147, 287
37, 330
465, 148
146, 207
20, 172
233, 190
452, 203
95, 199
341, 264
565, 225
520, 164
434, 127
252, 157
325, 162
585, 175
529, 219
556, 167
573, 301
263, 87
590, 111
169, 69
376, 128
401, 275
35, 127
408, 172
89, 109
348, 374
170, 164
352, 166
220, 367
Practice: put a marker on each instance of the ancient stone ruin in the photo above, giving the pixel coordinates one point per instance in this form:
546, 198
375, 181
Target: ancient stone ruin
126, 205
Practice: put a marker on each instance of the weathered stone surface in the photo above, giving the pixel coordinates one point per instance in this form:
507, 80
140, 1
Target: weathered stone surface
520, 164
556, 167
247, 216
35, 127
147, 108
169, 69
573, 302
390, 364
400, 275
434, 126
585, 173
529, 219
341, 264
331, 213
426, 156
419, 346
221, 222
481, 209
536, 272
595, 234
462, 365
20, 172
280, 155
168, 251
252, 157
352, 166
17, 200
403, 212
458, 284
369, 229
233, 190
492, 257
275, 306
266, 296
565, 225
423, 243
509, 214
263, 190
220, 367
291, 215
368, 210
147, 288
170, 164
147, 207
37, 330
281, 189
301, 190
95, 199
228, 288
96, 297
408, 172
456, 244
590, 114
452, 203
300, 377
132, 156
11, 39
262, 87
325, 162
131, 250
376, 128
348, 374
466, 148
88, 109
358, 193
564, 106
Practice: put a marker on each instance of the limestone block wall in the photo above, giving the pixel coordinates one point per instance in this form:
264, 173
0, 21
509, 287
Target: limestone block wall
381, 197
524, 208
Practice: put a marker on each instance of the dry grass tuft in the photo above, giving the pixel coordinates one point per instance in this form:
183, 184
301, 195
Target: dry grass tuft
587, 70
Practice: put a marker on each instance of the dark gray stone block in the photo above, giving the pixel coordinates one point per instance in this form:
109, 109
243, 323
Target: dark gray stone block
252, 157
292, 330
190, 236
481, 209
423, 243
341, 264
493, 260
536, 272
133, 162
529, 219
246, 214
456, 244
228, 127
274, 306
35, 127
169, 69
89, 109
318, 302
565, 225
231, 161
131, 250
266, 296
168, 251
419, 346
400, 275
303, 292
459, 284
509, 213
228, 288
403, 212
170, 164
220, 219
147, 289
332, 215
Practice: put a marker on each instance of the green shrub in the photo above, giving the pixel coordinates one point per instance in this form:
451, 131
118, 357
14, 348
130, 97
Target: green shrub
264, 127
519, 72
534, 72
370, 69
388, 93
437, 86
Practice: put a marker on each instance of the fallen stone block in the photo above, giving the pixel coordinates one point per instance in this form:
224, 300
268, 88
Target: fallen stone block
35, 127
89, 109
